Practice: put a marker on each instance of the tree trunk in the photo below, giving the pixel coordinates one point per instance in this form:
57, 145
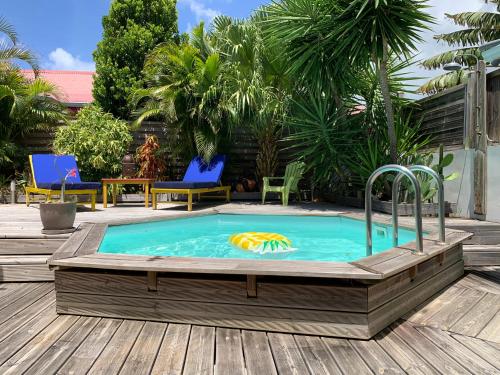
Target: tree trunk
267, 156
389, 109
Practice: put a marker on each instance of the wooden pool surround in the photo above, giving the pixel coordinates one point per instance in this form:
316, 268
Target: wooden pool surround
354, 300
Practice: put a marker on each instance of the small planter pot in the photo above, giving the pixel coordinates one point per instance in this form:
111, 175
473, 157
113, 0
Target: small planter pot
58, 218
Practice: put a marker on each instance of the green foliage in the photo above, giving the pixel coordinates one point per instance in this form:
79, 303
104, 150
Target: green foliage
372, 152
256, 85
480, 28
321, 134
444, 81
11, 50
427, 184
25, 106
333, 43
185, 89
131, 30
98, 141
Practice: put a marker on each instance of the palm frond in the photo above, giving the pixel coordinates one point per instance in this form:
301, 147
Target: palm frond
470, 36
482, 20
444, 82
15, 52
459, 55
9, 30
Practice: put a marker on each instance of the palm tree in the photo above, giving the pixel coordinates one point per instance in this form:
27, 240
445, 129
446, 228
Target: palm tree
25, 105
480, 28
184, 88
10, 50
370, 31
299, 30
256, 85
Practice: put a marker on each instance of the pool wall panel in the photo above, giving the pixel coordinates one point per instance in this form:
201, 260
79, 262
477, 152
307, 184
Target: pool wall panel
330, 307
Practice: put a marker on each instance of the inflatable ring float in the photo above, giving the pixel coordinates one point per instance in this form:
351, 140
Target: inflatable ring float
261, 242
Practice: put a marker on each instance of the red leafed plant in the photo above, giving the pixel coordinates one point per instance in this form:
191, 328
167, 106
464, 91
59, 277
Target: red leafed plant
151, 159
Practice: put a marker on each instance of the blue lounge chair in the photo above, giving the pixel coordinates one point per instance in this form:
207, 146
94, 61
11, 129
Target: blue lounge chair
48, 171
199, 178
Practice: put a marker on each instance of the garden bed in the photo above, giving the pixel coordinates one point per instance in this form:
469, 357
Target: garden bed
404, 209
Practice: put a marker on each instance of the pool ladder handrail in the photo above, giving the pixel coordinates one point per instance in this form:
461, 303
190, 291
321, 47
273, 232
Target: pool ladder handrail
441, 214
418, 204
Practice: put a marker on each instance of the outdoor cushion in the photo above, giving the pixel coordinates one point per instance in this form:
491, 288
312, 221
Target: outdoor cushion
199, 171
70, 185
184, 185
52, 168
49, 170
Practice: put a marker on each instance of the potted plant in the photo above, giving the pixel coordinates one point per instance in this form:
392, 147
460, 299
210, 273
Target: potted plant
59, 217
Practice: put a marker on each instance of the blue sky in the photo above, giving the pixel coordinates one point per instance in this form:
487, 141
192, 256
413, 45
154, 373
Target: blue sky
70, 29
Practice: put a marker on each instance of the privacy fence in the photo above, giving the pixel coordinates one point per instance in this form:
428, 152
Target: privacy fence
448, 116
242, 150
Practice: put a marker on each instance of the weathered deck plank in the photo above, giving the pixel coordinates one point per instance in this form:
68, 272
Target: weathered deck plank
464, 356
346, 356
83, 358
286, 354
228, 352
116, 351
473, 322
22, 317
61, 350
172, 351
316, 355
13, 342
429, 350
29, 246
35, 340
404, 355
258, 356
35, 348
376, 358
142, 356
201, 351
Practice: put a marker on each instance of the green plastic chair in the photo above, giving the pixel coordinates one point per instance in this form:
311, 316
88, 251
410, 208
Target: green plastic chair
293, 175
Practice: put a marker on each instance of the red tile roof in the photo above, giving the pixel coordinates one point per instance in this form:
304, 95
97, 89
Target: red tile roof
75, 86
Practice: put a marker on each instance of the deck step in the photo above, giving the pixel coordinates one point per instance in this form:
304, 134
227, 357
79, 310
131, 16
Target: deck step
23, 259
482, 255
29, 246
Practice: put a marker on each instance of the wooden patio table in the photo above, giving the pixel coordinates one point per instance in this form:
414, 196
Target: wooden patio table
145, 182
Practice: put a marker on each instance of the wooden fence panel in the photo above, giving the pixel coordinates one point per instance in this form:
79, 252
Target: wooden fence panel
443, 117
242, 154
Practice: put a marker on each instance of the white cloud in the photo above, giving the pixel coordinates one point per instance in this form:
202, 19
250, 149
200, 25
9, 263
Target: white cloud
60, 59
200, 10
430, 47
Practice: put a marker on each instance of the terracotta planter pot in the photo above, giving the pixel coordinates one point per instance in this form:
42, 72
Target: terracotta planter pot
58, 217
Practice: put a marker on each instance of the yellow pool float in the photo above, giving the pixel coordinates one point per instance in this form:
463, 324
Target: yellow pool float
261, 242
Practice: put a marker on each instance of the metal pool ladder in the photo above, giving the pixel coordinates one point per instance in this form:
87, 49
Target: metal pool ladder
403, 171
441, 214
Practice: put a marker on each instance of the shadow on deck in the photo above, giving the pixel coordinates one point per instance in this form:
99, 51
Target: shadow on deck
456, 331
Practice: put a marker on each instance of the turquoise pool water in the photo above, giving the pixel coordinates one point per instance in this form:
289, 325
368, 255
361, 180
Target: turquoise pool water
314, 238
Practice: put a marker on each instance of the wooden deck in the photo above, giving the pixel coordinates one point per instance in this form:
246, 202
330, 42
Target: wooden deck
457, 331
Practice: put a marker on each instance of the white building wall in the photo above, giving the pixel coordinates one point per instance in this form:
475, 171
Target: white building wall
461, 190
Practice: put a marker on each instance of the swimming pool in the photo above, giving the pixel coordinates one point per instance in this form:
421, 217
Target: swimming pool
184, 270
313, 238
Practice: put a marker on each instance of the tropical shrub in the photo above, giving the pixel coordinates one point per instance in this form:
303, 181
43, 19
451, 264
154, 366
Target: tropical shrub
151, 159
131, 30
256, 85
185, 89
25, 105
98, 141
